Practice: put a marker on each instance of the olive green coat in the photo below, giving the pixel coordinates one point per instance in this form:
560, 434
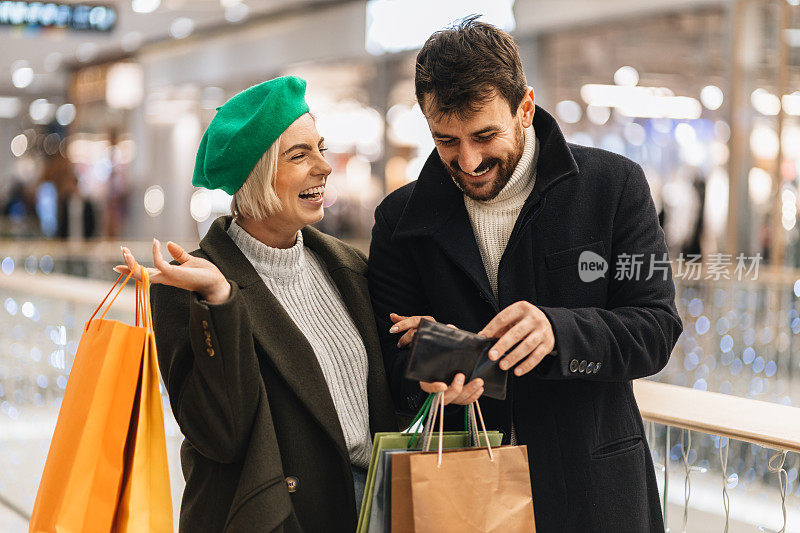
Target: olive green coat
250, 398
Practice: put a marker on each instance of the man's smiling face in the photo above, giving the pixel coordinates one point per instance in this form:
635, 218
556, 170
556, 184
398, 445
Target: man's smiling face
480, 151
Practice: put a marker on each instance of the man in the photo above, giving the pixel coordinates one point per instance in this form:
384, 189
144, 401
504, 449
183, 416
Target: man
489, 238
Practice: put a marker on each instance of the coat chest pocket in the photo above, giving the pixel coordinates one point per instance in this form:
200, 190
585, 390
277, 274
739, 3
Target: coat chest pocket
573, 283
571, 256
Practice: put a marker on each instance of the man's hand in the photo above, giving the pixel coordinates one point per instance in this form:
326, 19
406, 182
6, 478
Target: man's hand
523, 323
457, 392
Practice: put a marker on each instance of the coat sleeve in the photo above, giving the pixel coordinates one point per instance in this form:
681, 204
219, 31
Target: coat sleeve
208, 363
633, 336
394, 288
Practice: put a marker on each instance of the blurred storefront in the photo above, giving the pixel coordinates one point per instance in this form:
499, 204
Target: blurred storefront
720, 148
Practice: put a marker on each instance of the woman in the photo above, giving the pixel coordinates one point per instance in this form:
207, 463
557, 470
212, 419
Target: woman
265, 334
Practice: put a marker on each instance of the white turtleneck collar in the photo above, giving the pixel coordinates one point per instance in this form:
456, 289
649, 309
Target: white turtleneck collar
268, 261
522, 179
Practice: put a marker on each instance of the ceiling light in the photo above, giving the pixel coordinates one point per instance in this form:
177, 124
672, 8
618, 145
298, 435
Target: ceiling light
627, 76
65, 114
22, 77
181, 28
237, 12
145, 6
712, 97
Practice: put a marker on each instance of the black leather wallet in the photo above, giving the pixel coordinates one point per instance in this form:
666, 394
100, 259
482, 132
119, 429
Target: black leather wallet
439, 352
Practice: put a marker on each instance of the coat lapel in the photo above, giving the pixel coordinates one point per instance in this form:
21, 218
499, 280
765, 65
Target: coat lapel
286, 347
436, 209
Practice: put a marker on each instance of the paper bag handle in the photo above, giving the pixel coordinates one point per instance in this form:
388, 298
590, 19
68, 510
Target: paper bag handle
438, 408
142, 299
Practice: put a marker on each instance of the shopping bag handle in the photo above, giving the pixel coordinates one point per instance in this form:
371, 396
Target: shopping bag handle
143, 309
106, 297
438, 409
142, 299
470, 423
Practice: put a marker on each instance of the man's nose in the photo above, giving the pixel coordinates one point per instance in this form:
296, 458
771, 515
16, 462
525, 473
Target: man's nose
469, 159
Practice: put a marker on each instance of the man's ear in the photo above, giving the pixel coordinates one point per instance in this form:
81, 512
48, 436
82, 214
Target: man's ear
527, 108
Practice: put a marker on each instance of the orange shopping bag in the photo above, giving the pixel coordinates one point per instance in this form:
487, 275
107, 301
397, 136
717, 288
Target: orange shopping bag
93, 480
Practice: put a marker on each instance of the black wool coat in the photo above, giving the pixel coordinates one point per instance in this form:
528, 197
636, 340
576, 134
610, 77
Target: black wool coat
590, 466
250, 398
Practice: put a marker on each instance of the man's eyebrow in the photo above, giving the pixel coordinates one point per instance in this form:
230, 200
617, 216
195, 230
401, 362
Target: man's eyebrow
487, 129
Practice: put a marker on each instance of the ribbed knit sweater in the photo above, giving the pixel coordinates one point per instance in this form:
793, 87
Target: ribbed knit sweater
301, 283
493, 220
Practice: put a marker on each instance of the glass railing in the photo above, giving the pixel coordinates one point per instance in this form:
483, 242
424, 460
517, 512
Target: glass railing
740, 340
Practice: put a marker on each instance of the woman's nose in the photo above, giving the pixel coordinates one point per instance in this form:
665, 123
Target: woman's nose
324, 167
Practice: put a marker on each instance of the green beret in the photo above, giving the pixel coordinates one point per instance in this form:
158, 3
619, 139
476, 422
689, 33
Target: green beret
244, 128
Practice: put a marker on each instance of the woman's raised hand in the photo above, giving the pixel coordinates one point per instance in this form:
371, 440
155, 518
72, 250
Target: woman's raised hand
192, 273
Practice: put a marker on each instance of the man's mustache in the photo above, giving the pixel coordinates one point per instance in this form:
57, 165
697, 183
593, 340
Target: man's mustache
485, 164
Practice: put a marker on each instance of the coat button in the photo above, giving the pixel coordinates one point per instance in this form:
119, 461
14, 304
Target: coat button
597, 367
573, 365
205, 324
210, 352
208, 342
291, 483
590, 367
582, 366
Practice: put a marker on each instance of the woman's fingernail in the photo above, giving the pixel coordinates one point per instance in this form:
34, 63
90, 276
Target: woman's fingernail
493, 355
504, 365
393, 329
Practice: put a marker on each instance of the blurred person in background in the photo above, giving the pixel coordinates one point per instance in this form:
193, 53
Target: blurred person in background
265, 334
19, 211
76, 214
490, 239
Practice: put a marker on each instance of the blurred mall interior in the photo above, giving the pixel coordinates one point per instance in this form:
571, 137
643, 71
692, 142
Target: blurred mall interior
102, 106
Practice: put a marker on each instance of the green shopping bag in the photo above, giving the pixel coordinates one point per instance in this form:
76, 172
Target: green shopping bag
408, 440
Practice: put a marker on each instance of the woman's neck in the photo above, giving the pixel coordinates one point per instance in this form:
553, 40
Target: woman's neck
269, 233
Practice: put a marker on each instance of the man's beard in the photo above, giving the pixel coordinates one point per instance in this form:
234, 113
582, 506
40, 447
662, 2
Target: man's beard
505, 169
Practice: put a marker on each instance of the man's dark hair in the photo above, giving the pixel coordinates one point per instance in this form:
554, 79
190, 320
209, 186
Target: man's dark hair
460, 67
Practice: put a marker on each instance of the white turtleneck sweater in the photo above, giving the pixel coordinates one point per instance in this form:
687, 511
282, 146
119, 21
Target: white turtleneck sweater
493, 220
300, 281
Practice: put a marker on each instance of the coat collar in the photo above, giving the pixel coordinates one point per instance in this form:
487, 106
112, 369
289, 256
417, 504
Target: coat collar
436, 199
286, 347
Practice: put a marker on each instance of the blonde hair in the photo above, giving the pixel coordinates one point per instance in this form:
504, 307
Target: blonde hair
257, 198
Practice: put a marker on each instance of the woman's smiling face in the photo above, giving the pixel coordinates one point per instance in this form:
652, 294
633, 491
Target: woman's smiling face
302, 173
